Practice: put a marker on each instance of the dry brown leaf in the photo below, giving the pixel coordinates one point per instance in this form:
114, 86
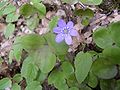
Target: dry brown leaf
50, 14
116, 19
45, 22
43, 30
87, 34
61, 13
2, 27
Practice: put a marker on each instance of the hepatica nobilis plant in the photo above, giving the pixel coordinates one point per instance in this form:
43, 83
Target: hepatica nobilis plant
44, 63
65, 31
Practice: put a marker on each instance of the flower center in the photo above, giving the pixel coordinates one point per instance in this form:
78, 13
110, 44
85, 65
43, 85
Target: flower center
66, 30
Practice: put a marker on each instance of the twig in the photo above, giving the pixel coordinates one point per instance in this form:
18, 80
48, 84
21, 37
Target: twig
82, 5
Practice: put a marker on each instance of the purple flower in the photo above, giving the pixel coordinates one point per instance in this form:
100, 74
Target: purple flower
65, 31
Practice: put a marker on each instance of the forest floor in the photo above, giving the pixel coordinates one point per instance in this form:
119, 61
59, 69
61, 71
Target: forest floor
102, 18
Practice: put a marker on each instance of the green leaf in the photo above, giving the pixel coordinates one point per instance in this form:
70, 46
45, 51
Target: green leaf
102, 38
12, 17
91, 2
85, 21
110, 84
33, 22
11, 56
53, 23
58, 79
34, 86
114, 28
70, 1
45, 59
112, 54
55, 47
56, 76
1, 59
74, 88
17, 51
92, 80
117, 87
85, 88
85, 12
104, 69
16, 87
29, 69
83, 62
107, 84
41, 9
9, 30
2, 4
67, 68
1, 7
71, 81
1, 13
4, 83
27, 10
17, 78
8, 9
35, 1
42, 58
31, 41
41, 76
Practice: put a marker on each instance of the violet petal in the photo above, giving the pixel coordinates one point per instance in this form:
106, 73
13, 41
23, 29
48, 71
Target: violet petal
59, 38
61, 23
73, 33
68, 39
57, 30
70, 24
